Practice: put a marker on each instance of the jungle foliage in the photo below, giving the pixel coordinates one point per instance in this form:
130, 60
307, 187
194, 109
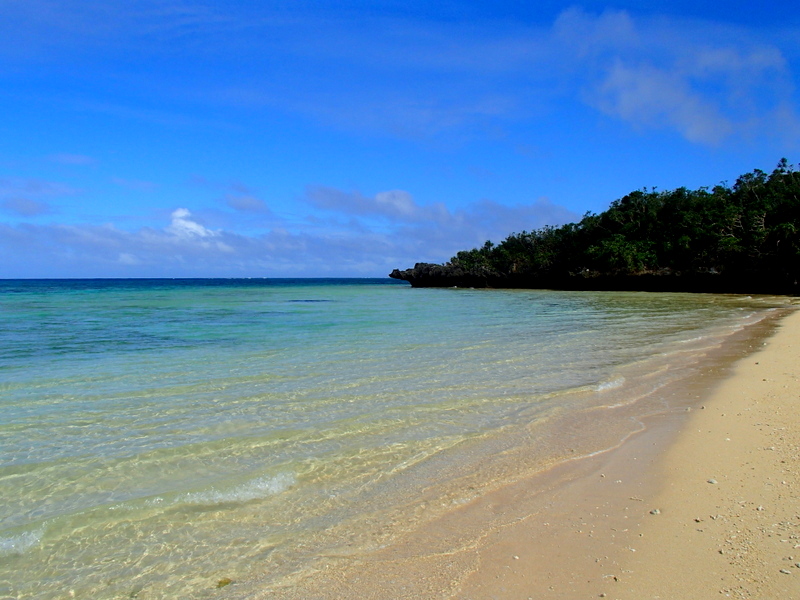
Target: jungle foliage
747, 232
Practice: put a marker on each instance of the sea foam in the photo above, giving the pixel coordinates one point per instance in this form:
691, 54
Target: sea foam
18, 544
611, 385
255, 489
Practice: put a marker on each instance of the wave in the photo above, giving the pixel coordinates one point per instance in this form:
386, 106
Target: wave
611, 385
263, 487
19, 544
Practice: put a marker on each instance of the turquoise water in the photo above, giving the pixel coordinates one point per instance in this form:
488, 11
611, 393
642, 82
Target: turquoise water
157, 436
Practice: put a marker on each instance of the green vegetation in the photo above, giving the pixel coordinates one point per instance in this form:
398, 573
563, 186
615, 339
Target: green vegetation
740, 238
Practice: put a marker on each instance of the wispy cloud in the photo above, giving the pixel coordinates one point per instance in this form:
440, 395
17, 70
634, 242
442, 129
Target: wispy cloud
247, 203
414, 79
649, 97
708, 82
347, 244
30, 197
236, 195
24, 207
393, 204
399, 207
16, 186
61, 29
410, 231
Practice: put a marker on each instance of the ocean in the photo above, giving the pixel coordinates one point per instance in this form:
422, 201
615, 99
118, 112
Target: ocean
208, 438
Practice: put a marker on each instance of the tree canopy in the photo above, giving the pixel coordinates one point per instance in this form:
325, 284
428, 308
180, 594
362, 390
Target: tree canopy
744, 237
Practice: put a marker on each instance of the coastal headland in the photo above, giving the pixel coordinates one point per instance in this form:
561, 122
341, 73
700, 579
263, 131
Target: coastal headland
702, 502
741, 240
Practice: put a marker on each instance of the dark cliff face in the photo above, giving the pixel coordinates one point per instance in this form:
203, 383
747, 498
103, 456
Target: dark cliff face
431, 275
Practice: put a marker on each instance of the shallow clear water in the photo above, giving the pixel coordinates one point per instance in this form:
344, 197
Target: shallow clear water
159, 436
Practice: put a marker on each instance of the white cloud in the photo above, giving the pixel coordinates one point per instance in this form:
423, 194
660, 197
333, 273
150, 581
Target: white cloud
348, 243
396, 205
407, 232
729, 60
585, 34
708, 82
651, 97
418, 78
184, 228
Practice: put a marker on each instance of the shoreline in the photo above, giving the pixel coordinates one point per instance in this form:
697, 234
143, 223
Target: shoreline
634, 522
730, 504
709, 510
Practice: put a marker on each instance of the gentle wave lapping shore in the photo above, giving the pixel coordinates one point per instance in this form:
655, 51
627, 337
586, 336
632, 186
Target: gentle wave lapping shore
712, 512
702, 502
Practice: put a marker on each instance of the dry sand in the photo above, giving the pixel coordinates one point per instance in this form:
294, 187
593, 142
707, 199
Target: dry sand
703, 503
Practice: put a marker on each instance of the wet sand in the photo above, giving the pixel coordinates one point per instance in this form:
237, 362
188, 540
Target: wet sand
703, 502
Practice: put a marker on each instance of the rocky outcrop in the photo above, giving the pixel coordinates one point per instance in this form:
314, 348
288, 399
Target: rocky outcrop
432, 275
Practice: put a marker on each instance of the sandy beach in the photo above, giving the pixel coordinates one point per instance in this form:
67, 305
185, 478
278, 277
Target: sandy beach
729, 522
702, 502
713, 513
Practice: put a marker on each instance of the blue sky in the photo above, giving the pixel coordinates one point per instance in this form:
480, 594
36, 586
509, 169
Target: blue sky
212, 138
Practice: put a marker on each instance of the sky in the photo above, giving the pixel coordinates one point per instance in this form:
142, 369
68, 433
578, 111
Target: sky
213, 138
